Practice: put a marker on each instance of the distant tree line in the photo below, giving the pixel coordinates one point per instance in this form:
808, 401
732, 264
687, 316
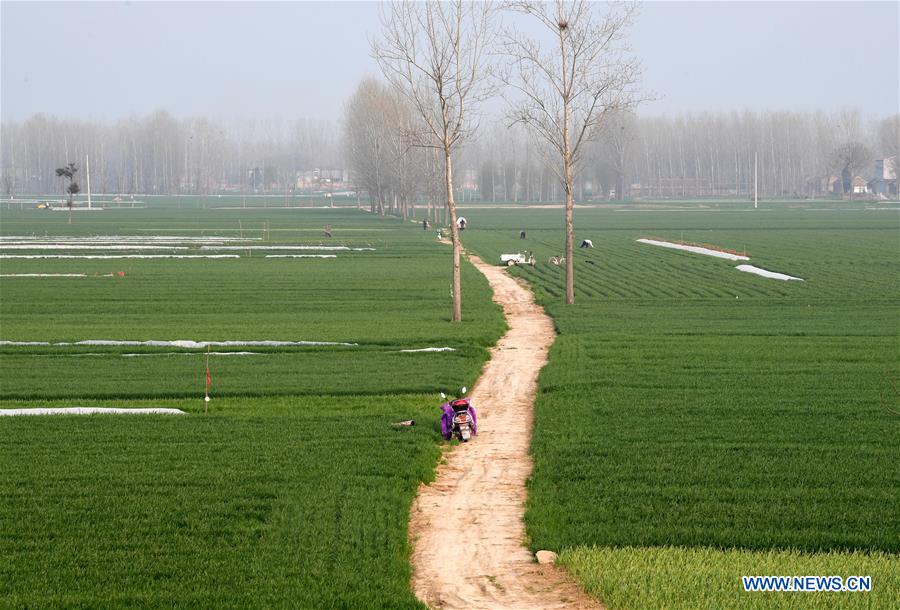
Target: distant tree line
160, 154
713, 155
799, 155
691, 155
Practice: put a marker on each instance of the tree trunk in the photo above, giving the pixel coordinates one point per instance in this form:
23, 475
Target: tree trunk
454, 234
570, 234
570, 206
568, 171
620, 186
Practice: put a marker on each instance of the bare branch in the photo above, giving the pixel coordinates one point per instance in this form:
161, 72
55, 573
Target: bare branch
564, 95
434, 54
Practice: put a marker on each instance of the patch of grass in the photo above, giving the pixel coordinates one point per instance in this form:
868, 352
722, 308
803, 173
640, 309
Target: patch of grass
755, 442
335, 371
271, 502
706, 579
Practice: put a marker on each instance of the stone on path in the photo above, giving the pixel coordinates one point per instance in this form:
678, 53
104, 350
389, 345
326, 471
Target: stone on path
545, 557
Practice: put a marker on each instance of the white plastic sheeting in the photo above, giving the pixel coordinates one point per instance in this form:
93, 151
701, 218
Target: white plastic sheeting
188, 344
428, 349
301, 255
79, 246
769, 274
289, 247
192, 354
110, 256
695, 249
90, 411
45, 275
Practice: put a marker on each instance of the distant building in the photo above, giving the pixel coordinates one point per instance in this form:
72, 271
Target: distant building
852, 184
858, 185
824, 185
321, 178
885, 180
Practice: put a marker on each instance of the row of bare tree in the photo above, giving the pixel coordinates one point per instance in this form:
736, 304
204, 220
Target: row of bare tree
444, 59
696, 155
699, 155
159, 154
573, 88
394, 174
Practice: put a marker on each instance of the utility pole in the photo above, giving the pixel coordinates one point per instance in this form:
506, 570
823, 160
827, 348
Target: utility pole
755, 181
87, 169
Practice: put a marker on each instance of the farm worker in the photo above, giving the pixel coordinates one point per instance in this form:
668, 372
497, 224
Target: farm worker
447, 420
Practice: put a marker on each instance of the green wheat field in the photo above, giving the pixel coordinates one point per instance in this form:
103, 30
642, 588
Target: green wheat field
694, 423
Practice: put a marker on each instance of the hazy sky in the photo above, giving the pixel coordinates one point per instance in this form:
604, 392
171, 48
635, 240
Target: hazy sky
107, 60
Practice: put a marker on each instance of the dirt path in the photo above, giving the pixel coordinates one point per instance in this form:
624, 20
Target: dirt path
467, 527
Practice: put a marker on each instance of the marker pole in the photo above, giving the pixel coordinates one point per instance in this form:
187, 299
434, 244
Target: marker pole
208, 381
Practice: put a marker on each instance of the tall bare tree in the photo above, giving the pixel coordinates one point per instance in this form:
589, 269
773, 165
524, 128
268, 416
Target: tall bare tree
365, 132
436, 54
615, 147
889, 136
383, 164
9, 182
566, 87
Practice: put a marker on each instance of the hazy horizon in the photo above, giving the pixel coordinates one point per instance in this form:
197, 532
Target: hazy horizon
290, 60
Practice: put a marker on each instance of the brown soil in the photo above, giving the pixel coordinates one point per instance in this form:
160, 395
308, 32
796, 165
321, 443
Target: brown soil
467, 528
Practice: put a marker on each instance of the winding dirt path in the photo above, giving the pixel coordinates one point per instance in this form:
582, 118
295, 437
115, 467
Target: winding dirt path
467, 527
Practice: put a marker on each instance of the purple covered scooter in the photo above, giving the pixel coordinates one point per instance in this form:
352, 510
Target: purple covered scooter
458, 418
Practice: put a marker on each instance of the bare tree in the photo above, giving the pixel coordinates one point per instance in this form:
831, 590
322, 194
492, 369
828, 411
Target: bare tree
436, 54
611, 154
376, 119
9, 182
364, 132
621, 134
889, 136
564, 92
852, 159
